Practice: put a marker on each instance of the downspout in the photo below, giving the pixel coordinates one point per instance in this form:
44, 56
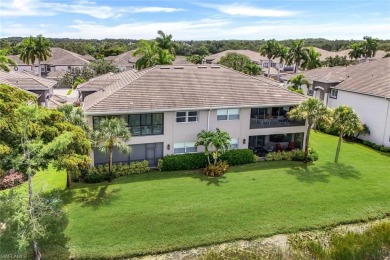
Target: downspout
387, 117
208, 120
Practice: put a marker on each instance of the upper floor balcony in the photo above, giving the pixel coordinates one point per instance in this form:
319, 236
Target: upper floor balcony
272, 117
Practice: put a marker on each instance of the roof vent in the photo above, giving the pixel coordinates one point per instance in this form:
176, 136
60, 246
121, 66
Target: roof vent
164, 68
215, 66
178, 67
202, 67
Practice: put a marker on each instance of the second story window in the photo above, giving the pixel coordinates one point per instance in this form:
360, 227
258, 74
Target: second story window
333, 93
146, 124
228, 114
187, 116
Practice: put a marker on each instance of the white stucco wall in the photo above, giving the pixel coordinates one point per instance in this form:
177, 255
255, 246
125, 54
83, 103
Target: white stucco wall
373, 111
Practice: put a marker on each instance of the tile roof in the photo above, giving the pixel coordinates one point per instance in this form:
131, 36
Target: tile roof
252, 55
326, 54
188, 87
322, 74
124, 59
58, 57
26, 81
370, 78
108, 79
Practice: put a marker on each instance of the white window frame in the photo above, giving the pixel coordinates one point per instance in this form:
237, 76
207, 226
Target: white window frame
187, 116
332, 95
234, 143
186, 146
230, 113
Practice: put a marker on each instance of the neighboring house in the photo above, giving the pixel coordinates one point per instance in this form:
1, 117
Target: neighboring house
327, 54
255, 57
365, 87
43, 88
60, 61
166, 106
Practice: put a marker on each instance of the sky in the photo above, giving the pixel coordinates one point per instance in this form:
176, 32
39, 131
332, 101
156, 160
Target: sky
196, 20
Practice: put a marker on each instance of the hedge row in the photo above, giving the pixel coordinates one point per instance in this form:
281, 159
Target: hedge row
101, 173
191, 161
294, 155
378, 147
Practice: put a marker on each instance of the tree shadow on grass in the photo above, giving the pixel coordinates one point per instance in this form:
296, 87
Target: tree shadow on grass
93, 196
311, 173
216, 181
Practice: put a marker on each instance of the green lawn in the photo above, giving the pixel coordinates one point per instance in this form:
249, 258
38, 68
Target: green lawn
163, 211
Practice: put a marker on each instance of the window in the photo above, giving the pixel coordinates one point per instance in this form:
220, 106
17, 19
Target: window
186, 147
234, 143
187, 116
280, 138
146, 124
280, 111
228, 114
333, 93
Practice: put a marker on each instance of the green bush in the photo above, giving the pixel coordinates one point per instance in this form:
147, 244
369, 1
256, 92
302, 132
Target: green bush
188, 161
294, 155
377, 147
216, 170
101, 173
238, 156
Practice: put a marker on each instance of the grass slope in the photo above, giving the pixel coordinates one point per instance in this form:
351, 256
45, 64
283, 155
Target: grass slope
164, 211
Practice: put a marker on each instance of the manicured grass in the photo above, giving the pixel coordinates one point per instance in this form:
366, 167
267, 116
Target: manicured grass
162, 211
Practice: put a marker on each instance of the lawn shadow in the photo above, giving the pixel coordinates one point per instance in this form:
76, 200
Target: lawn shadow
93, 196
311, 173
216, 181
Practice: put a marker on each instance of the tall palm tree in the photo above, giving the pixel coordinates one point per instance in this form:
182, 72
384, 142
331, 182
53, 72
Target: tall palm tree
221, 143
312, 60
297, 53
345, 121
356, 51
370, 46
148, 52
164, 41
204, 138
270, 50
5, 62
313, 111
112, 133
32, 49
282, 53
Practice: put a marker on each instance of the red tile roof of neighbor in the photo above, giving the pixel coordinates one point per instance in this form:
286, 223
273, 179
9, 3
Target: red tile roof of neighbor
163, 88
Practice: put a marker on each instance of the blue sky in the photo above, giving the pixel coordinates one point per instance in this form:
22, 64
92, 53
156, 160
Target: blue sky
196, 20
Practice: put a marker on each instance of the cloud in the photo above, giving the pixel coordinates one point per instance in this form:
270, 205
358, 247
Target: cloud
245, 10
42, 8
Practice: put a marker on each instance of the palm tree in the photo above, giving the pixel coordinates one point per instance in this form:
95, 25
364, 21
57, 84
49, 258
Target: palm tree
282, 53
32, 49
74, 115
356, 51
5, 62
218, 140
314, 111
270, 50
163, 57
112, 133
370, 46
297, 53
298, 81
345, 121
165, 42
312, 60
148, 52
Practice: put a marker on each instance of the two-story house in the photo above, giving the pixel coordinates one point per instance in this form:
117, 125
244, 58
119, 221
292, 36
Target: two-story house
167, 106
60, 61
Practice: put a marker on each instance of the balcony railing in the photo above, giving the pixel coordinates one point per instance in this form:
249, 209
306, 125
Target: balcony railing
274, 122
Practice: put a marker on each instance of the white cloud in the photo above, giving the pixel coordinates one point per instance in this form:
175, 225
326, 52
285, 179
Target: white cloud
245, 10
16, 8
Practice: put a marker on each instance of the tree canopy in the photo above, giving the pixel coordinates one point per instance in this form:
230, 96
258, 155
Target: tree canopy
240, 63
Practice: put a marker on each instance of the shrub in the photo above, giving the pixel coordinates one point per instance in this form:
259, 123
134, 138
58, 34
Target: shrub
294, 155
216, 170
187, 161
11, 180
101, 173
378, 147
238, 156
